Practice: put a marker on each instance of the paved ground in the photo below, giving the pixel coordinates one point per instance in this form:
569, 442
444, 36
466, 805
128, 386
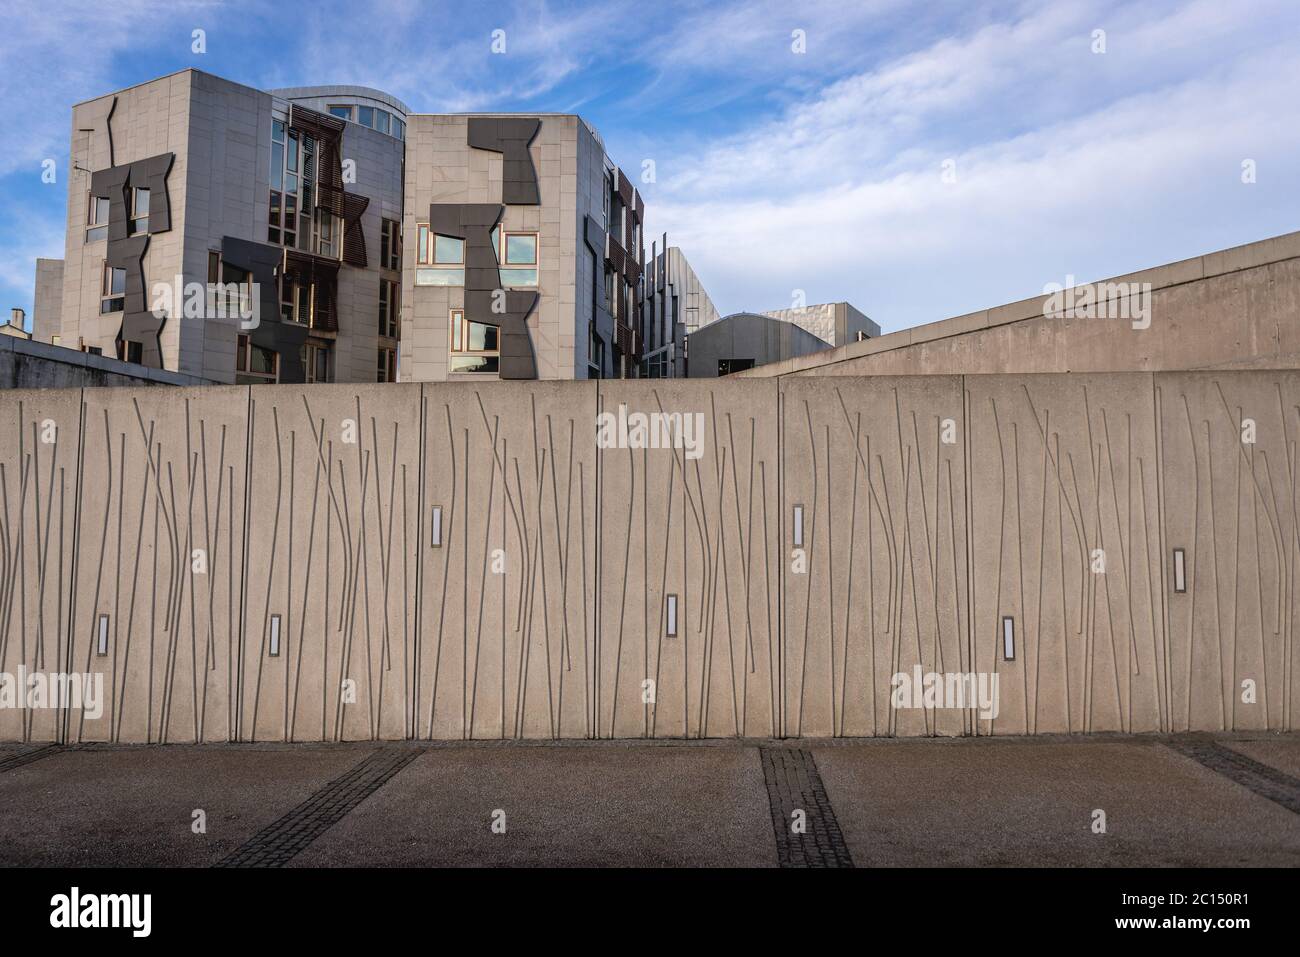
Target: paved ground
1226, 800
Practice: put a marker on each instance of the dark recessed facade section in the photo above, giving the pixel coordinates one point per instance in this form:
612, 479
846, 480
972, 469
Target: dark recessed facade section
511, 137
118, 182
261, 260
473, 223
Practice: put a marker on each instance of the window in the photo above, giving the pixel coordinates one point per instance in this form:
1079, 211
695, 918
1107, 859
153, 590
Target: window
381, 121
390, 244
387, 366
113, 295
728, 366
518, 258
139, 210
97, 219
297, 299
316, 361
253, 364
130, 351
609, 291
399, 128
366, 115
475, 346
442, 259
293, 218
388, 311
342, 112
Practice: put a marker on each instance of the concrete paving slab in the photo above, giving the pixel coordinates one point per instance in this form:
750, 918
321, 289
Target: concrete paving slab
1030, 803
579, 805
133, 806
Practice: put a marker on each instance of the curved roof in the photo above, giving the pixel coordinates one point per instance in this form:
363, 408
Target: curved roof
366, 92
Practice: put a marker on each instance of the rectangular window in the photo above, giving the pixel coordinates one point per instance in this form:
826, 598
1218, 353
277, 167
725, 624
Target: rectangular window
366, 115
113, 294
387, 371
292, 219
475, 346
129, 351
97, 219
253, 364
1008, 638
399, 128
672, 616
390, 244
518, 258
139, 210
1180, 571
315, 361
342, 112
441, 259
381, 120
388, 311
273, 646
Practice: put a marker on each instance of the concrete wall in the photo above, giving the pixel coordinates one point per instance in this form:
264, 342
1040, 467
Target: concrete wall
933, 507
47, 307
1232, 309
30, 364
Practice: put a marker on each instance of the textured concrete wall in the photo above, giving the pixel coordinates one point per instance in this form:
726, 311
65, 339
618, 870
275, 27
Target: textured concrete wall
200, 521
28, 364
1232, 309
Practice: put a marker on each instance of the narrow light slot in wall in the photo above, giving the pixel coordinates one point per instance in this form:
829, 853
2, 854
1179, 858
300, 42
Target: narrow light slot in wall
101, 643
798, 526
671, 615
435, 530
1008, 638
275, 637
1180, 570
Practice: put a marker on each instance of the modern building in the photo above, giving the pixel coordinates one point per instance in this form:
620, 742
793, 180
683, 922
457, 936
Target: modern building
185, 185
292, 235
835, 323
523, 251
676, 305
745, 340
748, 340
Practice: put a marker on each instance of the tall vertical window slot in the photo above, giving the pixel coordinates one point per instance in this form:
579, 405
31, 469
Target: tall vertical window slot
390, 245
101, 641
273, 648
798, 526
388, 308
1180, 571
1008, 638
671, 614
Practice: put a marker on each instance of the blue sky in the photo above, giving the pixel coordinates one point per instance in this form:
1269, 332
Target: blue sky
776, 171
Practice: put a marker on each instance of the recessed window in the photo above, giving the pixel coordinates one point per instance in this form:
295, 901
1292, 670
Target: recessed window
381, 120
139, 210
387, 369
1008, 638
315, 361
1180, 571
101, 642
129, 351
342, 112
97, 219
388, 308
366, 115
440, 259
475, 346
672, 616
273, 648
517, 256
390, 244
253, 364
293, 218
297, 300
113, 294
798, 526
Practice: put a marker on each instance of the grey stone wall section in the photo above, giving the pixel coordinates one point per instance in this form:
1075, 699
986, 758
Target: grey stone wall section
47, 306
932, 508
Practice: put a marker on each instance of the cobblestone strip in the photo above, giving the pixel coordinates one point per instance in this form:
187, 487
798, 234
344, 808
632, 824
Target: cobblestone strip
1263, 779
793, 784
27, 757
278, 843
